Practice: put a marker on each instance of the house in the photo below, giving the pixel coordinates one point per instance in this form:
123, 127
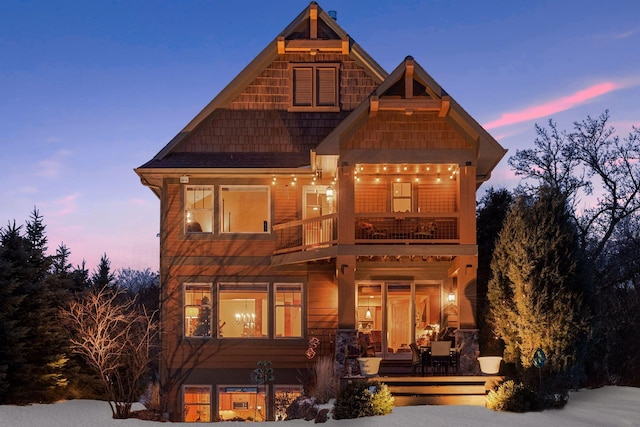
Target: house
315, 201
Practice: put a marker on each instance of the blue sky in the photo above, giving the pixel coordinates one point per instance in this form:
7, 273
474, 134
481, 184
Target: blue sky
91, 89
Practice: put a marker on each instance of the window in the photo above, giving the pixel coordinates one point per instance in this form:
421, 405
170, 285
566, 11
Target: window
314, 86
401, 196
284, 396
288, 322
242, 403
198, 210
197, 403
197, 310
243, 310
245, 209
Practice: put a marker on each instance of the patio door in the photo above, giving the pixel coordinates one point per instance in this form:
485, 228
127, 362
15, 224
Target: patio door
399, 320
393, 314
316, 204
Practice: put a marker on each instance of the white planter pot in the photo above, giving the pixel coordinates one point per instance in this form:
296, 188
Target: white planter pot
490, 364
369, 366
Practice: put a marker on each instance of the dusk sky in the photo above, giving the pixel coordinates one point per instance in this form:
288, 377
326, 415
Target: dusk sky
90, 90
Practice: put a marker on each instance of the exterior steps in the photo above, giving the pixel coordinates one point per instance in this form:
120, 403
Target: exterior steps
439, 390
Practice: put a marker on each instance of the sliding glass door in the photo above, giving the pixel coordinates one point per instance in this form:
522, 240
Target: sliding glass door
391, 315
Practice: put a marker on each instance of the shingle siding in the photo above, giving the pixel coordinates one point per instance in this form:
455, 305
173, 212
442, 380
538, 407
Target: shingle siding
258, 120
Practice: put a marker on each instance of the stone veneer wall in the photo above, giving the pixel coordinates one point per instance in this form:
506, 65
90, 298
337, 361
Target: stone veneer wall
347, 351
470, 352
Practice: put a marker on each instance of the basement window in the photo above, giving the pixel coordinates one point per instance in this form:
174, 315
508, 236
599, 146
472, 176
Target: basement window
314, 87
197, 403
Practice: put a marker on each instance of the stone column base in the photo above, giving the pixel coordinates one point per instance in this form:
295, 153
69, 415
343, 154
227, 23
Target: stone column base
470, 351
347, 351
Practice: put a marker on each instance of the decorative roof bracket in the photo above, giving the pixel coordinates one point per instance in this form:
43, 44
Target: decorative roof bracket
408, 106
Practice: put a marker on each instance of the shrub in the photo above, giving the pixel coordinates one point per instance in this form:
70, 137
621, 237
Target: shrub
325, 379
363, 399
302, 408
512, 397
555, 400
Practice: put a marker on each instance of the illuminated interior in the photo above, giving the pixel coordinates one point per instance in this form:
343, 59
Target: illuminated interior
199, 209
197, 403
391, 338
241, 403
245, 209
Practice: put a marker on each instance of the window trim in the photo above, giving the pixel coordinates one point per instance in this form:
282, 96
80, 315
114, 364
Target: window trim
256, 390
276, 305
239, 288
184, 404
186, 210
209, 285
402, 197
313, 85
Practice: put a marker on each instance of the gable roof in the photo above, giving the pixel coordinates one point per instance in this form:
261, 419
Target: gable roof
409, 88
284, 42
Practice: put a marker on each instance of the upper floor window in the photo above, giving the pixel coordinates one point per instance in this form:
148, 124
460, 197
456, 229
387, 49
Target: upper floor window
314, 87
197, 310
401, 197
198, 209
245, 208
288, 310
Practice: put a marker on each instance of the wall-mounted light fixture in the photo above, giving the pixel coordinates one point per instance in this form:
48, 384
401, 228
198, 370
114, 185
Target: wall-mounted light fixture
451, 297
329, 192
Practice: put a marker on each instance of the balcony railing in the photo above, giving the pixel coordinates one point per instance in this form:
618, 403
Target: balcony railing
418, 228
307, 233
370, 228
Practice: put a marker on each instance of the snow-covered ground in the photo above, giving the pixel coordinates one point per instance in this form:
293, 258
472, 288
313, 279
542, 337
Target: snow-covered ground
607, 406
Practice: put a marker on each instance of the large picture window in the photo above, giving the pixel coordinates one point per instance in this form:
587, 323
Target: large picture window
245, 209
197, 310
288, 315
197, 403
314, 86
244, 309
198, 209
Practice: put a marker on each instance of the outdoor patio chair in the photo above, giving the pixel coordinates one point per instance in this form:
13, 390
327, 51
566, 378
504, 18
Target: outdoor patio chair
440, 356
371, 232
425, 231
416, 359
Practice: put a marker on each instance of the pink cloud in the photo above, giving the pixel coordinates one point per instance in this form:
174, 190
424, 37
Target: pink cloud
66, 205
554, 106
138, 202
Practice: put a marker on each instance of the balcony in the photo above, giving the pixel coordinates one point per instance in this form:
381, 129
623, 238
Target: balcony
407, 228
369, 228
305, 234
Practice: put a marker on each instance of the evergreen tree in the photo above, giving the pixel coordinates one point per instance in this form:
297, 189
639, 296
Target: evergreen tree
203, 327
37, 344
492, 210
13, 334
60, 262
103, 277
80, 278
535, 294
